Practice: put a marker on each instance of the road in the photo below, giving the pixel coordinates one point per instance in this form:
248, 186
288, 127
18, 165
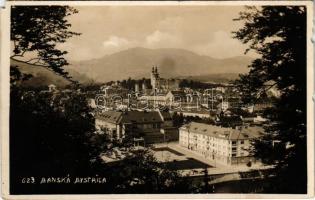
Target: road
216, 168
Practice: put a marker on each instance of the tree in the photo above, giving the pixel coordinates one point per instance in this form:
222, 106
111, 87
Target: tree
16, 76
278, 35
35, 33
52, 133
178, 119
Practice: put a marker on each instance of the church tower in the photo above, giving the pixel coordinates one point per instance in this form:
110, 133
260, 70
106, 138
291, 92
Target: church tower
154, 77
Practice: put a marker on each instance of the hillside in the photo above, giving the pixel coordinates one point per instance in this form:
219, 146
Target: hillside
80, 77
137, 63
41, 75
213, 78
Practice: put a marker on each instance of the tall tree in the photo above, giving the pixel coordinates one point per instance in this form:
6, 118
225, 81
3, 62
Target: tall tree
35, 33
278, 35
52, 133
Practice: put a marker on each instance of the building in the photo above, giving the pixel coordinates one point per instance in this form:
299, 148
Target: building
113, 91
113, 97
168, 126
137, 87
154, 100
223, 106
261, 106
174, 99
177, 96
257, 120
223, 145
144, 87
162, 84
202, 113
92, 103
52, 88
153, 126
109, 122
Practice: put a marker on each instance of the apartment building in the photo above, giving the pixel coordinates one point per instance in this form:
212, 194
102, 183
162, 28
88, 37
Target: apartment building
223, 145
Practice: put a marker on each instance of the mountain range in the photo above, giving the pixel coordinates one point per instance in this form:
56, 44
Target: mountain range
137, 63
172, 63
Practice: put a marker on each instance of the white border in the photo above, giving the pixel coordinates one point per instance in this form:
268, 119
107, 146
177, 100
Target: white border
5, 87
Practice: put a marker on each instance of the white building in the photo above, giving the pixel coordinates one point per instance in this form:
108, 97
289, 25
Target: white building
223, 145
52, 88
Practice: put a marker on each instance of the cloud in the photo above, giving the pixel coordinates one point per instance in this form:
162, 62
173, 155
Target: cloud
202, 29
115, 41
171, 24
222, 45
160, 39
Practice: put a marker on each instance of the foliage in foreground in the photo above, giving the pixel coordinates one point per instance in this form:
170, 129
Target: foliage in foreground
278, 35
52, 135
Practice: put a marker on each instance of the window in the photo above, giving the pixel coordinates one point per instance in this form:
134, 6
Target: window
233, 154
242, 141
233, 148
233, 142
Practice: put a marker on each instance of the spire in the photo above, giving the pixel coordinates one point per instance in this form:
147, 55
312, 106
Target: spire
156, 70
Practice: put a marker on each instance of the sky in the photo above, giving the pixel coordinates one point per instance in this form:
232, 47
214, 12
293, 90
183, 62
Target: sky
205, 30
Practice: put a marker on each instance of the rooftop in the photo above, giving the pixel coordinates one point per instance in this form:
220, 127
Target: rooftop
141, 117
166, 115
178, 93
224, 133
110, 116
130, 117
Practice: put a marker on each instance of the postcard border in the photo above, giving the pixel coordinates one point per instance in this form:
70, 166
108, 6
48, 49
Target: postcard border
5, 91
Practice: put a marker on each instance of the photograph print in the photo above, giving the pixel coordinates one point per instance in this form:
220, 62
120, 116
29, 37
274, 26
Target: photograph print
177, 98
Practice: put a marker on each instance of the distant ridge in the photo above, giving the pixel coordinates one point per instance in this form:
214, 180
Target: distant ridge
137, 63
41, 75
213, 78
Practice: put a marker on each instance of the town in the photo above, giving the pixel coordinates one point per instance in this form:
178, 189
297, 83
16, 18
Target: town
192, 128
169, 98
